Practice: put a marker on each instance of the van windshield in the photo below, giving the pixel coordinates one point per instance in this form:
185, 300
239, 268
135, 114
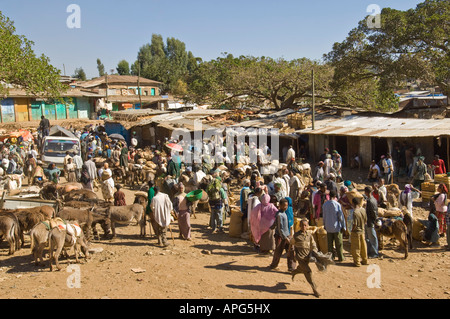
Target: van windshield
58, 147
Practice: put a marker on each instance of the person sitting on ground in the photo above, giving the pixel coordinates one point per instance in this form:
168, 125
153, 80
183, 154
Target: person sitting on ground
431, 233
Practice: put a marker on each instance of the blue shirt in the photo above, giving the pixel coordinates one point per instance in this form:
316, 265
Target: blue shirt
282, 228
333, 217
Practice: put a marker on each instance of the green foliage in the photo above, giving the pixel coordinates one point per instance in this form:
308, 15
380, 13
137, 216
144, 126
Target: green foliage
79, 74
100, 68
20, 66
410, 45
254, 81
123, 68
168, 63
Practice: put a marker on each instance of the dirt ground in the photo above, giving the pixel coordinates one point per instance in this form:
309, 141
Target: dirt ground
216, 266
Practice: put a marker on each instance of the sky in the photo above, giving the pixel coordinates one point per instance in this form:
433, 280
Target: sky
114, 30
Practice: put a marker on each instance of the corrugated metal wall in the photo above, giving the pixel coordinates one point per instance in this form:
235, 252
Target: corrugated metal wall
8, 112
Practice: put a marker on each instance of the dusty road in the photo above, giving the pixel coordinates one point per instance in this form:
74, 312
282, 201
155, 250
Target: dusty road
216, 266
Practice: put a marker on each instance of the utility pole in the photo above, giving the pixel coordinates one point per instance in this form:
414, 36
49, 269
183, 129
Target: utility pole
106, 80
313, 101
139, 82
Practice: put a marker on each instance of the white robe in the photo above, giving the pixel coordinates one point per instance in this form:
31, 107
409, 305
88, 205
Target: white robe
290, 155
162, 207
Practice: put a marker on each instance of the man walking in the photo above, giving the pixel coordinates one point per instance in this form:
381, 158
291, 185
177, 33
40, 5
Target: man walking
44, 126
161, 208
91, 168
358, 242
216, 202
334, 223
282, 237
372, 214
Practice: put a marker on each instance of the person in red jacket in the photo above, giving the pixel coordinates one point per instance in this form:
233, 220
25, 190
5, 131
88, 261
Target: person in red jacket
439, 165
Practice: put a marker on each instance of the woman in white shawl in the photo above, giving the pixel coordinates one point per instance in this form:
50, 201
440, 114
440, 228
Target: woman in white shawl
105, 174
161, 209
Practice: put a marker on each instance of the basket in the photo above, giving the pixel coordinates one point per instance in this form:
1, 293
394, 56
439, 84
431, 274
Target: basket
195, 195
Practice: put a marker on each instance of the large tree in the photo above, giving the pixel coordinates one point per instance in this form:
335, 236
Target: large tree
20, 66
409, 45
100, 68
123, 67
254, 81
168, 63
80, 74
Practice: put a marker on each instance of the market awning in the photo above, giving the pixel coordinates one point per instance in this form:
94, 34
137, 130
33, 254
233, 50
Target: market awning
381, 127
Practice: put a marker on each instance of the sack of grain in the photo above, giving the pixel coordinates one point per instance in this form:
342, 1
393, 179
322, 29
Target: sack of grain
235, 229
393, 188
296, 224
322, 241
140, 193
352, 194
416, 229
392, 212
320, 222
105, 175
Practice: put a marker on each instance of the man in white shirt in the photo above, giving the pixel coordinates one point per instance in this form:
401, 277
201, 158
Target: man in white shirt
134, 141
161, 209
290, 156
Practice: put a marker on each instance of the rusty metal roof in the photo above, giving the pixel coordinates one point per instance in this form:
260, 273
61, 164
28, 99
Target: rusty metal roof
380, 127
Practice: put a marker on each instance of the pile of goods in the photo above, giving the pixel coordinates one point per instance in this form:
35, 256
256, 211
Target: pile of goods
299, 121
430, 188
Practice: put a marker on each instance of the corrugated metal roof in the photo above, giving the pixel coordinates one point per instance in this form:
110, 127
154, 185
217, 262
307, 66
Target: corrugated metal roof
381, 127
267, 121
204, 113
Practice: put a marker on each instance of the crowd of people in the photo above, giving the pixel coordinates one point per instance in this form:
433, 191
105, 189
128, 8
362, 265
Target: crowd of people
269, 201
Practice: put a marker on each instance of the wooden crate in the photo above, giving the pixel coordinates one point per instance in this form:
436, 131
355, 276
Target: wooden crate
299, 120
442, 178
426, 196
429, 187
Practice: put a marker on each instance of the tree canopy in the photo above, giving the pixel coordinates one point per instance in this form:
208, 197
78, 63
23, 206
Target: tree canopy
123, 67
20, 66
80, 74
410, 45
168, 62
100, 68
253, 81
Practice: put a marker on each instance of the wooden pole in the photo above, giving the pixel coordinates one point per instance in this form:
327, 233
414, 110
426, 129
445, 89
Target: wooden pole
313, 101
106, 80
448, 154
139, 86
